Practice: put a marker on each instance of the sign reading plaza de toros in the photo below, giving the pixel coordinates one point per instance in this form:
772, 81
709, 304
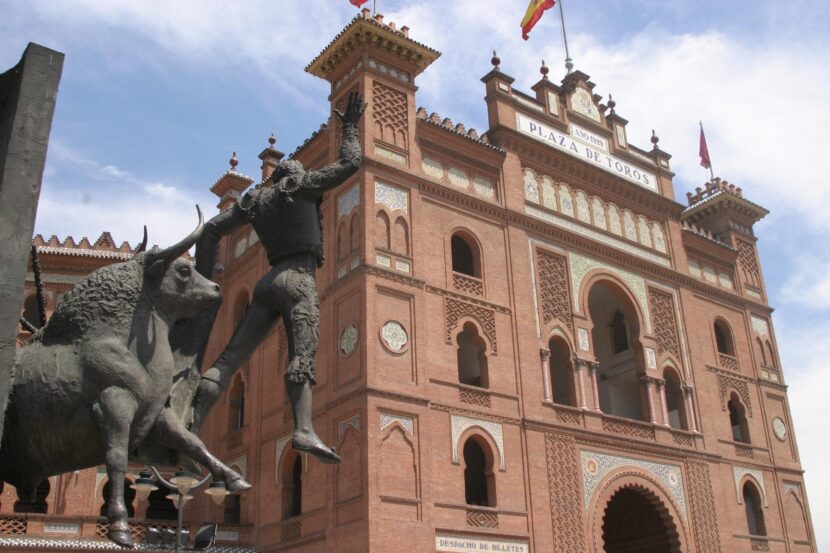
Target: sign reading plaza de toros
466, 544
586, 146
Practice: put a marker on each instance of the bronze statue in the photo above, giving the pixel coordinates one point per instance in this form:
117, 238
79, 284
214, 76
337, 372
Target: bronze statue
286, 217
95, 383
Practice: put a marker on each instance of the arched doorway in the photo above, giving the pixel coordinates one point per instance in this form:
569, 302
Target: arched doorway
635, 521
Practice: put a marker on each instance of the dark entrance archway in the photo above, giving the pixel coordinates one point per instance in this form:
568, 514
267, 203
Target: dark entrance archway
635, 521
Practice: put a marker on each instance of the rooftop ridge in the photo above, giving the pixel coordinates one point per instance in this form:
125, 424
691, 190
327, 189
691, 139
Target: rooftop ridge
457, 128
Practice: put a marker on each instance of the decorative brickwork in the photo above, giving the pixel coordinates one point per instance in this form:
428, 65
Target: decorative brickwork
291, 530
455, 310
482, 519
474, 397
728, 362
725, 383
628, 428
554, 291
748, 263
12, 526
467, 284
390, 115
565, 497
664, 322
702, 503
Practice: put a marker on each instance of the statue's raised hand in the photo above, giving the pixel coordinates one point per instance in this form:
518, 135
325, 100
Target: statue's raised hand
354, 109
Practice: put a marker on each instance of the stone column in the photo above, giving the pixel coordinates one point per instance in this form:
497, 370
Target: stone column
594, 368
580, 382
544, 355
690, 408
649, 382
661, 393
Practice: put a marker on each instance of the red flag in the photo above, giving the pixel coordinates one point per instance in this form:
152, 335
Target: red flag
358, 3
534, 12
704, 151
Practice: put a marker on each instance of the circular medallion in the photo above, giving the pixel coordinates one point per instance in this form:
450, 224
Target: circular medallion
779, 428
592, 466
394, 336
348, 340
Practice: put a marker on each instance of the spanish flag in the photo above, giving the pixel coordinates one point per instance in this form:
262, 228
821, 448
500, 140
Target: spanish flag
534, 13
358, 3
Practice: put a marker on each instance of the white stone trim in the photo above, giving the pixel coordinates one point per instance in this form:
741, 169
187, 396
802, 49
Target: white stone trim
460, 424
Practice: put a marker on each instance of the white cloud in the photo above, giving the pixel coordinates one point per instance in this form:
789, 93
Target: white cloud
809, 283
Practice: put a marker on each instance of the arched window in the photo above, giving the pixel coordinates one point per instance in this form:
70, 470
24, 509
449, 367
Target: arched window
770, 354
342, 241
619, 333
236, 401
479, 481
233, 509
754, 510
40, 504
292, 486
161, 508
465, 256
615, 331
737, 419
400, 242
129, 497
561, 372
723, 338
31, 311
675, 406
472, 357
382, 231
354, 233
762, 355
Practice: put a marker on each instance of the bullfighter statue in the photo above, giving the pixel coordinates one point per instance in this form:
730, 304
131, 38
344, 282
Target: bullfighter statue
286, 217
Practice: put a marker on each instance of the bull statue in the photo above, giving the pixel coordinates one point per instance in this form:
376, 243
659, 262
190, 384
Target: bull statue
95, 382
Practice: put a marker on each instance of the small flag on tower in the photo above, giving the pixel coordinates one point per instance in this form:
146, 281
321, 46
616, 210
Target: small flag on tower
705, 161
358, 3
534, 12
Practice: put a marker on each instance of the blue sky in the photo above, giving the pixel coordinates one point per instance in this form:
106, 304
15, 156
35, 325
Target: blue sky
156, 94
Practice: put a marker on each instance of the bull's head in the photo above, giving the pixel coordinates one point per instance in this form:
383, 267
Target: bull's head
175, 287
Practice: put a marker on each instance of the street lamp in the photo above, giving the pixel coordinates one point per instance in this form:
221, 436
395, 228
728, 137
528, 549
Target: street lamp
181, 484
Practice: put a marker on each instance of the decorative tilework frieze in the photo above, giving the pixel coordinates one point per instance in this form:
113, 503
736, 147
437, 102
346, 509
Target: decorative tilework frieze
344, 425
583, 339
432, 168
583, 230
387, 419
760, 326
348, 201
392, 197
739, 473
581, 265
596, 465
459, 424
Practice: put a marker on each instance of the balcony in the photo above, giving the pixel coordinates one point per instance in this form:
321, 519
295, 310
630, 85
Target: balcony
728, 362
468, 284
89, 533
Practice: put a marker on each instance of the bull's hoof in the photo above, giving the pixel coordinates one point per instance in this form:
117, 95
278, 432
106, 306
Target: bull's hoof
121, 535
238, 485
313, 445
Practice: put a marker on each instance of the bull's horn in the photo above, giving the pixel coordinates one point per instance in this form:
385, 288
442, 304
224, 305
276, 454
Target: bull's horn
172, 252
143, 246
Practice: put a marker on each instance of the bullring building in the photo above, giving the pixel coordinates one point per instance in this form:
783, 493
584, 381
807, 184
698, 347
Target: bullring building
527, 343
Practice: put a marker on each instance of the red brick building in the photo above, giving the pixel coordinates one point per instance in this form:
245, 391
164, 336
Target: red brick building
527, 344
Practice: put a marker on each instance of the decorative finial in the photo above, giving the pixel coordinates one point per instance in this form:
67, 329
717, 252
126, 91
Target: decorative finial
272, 140
569, 65
544, 70
611, 103
495, 60
234, 162
654, 138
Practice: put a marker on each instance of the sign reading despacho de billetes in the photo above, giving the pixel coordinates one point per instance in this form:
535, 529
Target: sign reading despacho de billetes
578, 147
466, 544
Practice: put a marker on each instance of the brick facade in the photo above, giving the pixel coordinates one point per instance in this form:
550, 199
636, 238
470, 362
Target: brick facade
614, 333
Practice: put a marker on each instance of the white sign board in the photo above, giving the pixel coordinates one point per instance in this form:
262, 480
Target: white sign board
466, 544
61, 528
579, 148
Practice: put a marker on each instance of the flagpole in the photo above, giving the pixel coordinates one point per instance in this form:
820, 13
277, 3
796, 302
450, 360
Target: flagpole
569, 65
711, 171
